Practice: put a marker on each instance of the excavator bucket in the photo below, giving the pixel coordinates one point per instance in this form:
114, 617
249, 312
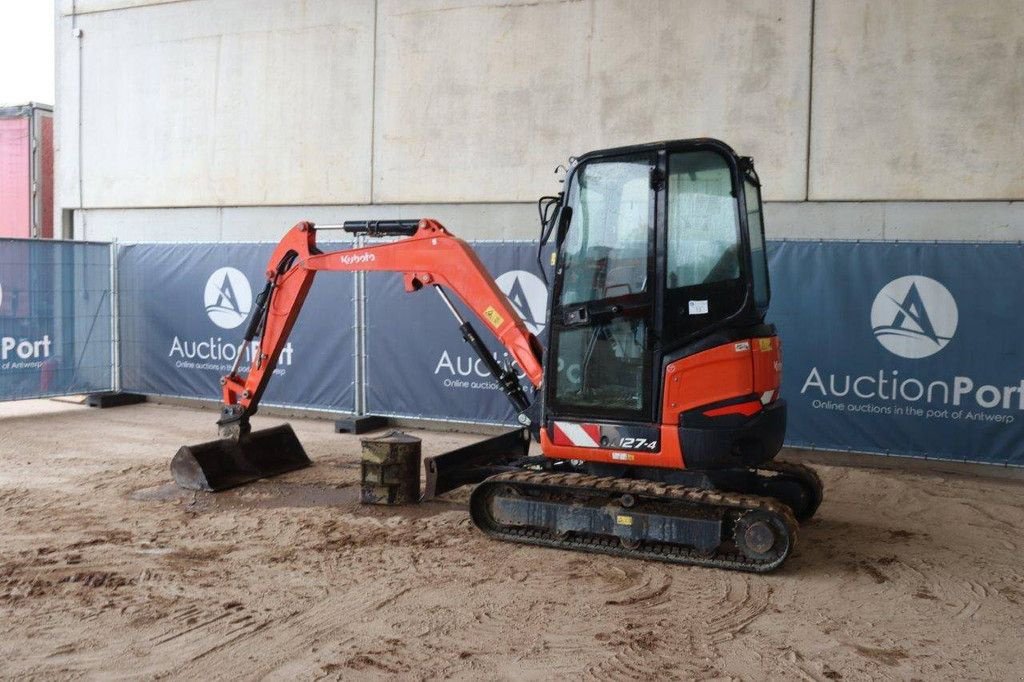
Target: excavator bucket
226, 463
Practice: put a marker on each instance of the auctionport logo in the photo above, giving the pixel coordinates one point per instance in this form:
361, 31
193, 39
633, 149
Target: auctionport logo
528, 295
228, 298
914, 316
22, 353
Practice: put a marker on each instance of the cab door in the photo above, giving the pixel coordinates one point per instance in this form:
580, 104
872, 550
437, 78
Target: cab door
600, 360
705, 268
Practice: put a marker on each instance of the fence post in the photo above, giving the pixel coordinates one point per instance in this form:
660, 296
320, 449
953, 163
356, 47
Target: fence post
360, 335
115, 321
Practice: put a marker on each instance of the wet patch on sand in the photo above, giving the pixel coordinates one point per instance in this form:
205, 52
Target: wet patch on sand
278, 494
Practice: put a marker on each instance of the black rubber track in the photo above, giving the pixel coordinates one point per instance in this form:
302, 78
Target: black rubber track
559, 484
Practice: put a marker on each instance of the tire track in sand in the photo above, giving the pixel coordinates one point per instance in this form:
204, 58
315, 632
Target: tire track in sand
654, 643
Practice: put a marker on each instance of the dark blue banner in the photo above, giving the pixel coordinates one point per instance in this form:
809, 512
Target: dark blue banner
902, 348
55, 318
899, 348
183, 309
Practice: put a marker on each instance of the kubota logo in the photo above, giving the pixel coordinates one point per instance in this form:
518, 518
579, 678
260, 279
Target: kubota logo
228, 298
528, 296
914, 316
358, 258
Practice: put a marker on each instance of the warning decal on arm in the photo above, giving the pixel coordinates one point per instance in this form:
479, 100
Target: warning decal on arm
493, 316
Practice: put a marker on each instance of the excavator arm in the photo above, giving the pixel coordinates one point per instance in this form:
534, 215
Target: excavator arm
428, 256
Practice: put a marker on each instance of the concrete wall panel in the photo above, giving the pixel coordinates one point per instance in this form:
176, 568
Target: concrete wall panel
149, 224
227, 102
269, 223
955, 221
904, 220
65, 119
479, 101
260, 112
470, 221
975, 221
918, 100
86, 6
835, 220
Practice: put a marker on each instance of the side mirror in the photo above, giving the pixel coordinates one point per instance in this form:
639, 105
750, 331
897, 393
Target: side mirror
548, 208
564, 218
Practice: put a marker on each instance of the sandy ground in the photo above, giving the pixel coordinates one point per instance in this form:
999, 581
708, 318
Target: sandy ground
106, 571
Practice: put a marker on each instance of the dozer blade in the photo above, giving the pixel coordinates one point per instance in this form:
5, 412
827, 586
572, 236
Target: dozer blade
473, 463
226, 463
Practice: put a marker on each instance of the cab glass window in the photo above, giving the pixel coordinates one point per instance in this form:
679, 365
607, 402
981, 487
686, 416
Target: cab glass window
758, 260
605, 251
703, 222
603, 367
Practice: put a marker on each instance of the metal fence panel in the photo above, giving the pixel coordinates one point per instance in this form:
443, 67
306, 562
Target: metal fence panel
56, 318
183, 309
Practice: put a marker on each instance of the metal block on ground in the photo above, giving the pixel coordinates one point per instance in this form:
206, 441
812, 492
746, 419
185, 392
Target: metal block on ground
113, 399
390, 469
360, 424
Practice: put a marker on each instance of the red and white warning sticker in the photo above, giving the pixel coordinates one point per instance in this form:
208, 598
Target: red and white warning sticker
581, 435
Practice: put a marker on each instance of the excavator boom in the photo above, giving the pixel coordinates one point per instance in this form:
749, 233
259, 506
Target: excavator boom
430, 256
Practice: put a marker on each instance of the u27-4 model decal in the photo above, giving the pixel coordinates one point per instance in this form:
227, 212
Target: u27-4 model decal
610, 436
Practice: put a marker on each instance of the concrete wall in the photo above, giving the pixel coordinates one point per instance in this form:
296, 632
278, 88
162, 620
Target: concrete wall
233, 119
895, 220
917, 99
480, 101
227, 102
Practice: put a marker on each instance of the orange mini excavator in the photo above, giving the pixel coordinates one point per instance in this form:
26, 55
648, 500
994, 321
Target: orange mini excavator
656, 402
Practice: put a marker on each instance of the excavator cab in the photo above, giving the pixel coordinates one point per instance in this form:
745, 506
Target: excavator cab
661, 412
660, 257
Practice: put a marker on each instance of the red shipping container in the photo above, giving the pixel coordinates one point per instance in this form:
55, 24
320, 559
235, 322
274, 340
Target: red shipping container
26, 171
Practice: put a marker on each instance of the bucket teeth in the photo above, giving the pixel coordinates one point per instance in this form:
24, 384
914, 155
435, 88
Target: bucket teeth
226, 463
